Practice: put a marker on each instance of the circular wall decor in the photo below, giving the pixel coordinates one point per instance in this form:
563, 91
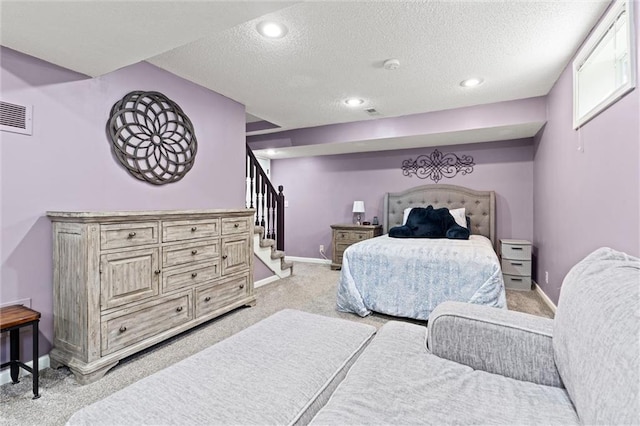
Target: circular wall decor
152, 137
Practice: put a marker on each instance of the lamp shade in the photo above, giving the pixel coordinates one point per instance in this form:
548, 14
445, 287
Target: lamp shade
358, 206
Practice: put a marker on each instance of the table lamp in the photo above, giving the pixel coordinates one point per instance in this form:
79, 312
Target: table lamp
358, 210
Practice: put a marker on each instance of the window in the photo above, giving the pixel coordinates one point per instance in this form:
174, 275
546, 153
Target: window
604, 70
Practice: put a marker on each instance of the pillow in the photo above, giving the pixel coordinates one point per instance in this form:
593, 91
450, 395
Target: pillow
406, 213
429, 222
457, 232
400, 232
459, 216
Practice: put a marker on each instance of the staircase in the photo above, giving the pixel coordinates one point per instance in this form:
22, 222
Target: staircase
268, 239
265, 249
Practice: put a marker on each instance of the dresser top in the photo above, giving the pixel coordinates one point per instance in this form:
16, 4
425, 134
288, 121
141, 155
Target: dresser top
352, 226
144, 214
515, 242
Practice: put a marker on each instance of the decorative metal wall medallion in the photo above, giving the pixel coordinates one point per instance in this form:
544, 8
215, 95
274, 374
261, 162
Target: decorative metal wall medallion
152, 137
438, 165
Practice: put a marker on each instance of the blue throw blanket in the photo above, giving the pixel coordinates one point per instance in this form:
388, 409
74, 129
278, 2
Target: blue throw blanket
410, 277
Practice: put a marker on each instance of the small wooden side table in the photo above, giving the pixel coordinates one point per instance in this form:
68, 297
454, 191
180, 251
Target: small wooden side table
12, 319
344, 235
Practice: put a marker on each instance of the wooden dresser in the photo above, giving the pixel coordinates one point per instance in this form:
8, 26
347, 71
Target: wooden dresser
124, 281
345, 235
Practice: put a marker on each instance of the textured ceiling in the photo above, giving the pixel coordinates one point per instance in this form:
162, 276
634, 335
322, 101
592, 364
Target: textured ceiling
333, 49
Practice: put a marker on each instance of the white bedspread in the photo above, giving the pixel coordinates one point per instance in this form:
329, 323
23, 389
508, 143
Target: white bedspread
409, 277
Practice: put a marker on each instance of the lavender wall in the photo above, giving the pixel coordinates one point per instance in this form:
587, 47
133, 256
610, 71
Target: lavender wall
321, 190
590, 198
260, 270
67, 164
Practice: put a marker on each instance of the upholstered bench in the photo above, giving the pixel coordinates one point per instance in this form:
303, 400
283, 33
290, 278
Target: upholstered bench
279, 371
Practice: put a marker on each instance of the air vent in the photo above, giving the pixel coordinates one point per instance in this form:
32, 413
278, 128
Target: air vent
372, 111
16, 118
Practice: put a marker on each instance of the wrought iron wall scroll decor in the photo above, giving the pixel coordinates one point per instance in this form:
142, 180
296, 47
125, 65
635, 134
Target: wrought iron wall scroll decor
438, 165
152, 137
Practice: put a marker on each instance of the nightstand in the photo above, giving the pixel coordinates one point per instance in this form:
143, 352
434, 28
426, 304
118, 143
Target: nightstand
345, 235
516, 264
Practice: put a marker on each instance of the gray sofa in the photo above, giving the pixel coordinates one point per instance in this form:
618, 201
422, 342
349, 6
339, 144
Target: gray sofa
489, 366
471, 365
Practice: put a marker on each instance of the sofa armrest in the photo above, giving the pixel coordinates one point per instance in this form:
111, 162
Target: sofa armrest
508, 343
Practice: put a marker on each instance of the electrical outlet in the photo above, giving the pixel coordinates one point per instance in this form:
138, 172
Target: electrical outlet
546, 277
321, 248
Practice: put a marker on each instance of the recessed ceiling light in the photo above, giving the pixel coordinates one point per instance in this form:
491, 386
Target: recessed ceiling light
271, 152
471, 82
272, 29
353, 102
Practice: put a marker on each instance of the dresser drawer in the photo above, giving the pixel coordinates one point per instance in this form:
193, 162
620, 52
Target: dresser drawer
360, 235
516, 267
232, 225
516, 251
223, 293
352, 236
189, 276
340, 248
342, 235
120, 330
180, 230
517, 282
186, 254
128, 235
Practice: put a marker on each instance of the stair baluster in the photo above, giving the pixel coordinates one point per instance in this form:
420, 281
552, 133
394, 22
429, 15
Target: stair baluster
263, 188
269, 222
280, 219
269, 212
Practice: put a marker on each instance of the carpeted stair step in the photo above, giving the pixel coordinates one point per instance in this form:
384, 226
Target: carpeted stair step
277, 254
286, 265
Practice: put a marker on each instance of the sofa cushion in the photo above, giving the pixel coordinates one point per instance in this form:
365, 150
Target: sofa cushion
278, 371
397, 381
596, 337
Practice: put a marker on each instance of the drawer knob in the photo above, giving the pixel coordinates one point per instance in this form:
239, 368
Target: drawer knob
360, 236
241, 285
516, 248
194, 252
123, 329
224, 256
207, 299
132, 234
194, 229
157, 271
516, 263
193, 275
516, 279
179, 309
235, 225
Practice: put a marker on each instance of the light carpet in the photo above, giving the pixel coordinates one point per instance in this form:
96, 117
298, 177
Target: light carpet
312, 288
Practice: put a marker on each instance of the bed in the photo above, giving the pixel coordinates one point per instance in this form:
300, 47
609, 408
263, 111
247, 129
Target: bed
409, 277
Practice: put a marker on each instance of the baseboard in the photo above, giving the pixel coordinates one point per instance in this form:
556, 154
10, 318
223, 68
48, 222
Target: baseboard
265, 281
5, 375
545, 298
307, 260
